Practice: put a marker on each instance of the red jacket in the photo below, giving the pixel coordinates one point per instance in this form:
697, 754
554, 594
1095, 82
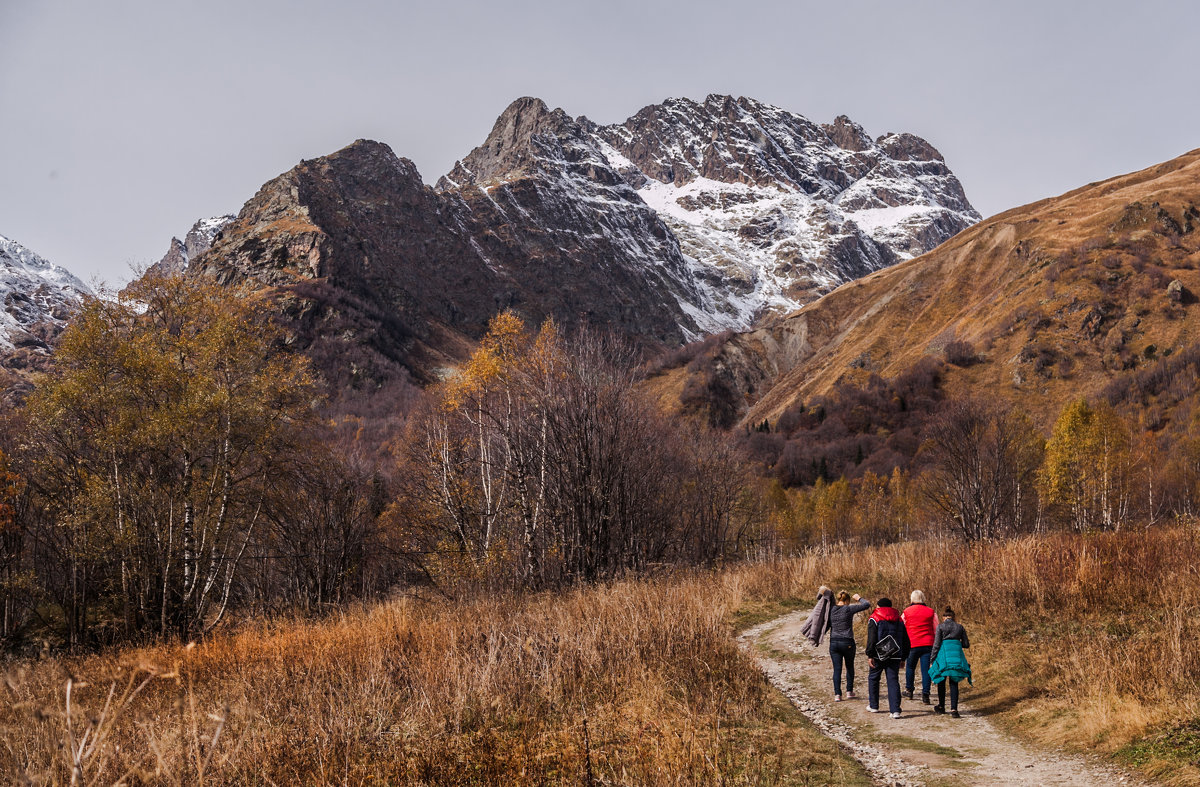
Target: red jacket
921, 622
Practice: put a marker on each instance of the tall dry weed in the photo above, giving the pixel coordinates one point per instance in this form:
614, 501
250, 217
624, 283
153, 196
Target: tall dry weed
637, 682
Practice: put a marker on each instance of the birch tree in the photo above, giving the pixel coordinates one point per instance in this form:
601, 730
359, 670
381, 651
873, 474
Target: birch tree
1089, 468
150, 446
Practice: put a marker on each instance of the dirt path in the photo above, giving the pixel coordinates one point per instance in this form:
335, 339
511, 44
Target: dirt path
921, 748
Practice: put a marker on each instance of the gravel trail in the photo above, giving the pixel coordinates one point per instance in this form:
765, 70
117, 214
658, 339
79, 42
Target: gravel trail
921, 748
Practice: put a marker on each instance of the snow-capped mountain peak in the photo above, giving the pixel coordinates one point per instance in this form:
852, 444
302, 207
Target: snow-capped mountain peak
38, 297
198, 240
776, 209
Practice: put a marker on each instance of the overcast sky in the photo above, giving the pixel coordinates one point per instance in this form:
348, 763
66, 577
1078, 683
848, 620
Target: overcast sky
124, 121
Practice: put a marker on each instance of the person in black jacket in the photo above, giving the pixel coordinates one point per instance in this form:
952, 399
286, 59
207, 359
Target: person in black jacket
887, 648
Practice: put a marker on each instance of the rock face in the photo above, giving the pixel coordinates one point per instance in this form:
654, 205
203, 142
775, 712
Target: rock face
39, 298
685, 220
370, 260
197, 241
774, 210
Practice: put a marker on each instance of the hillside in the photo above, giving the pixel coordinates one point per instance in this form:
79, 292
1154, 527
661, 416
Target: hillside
1052, 299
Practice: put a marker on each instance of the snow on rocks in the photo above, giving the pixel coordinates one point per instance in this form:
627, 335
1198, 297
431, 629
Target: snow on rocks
198, 240
37, 295
773, 210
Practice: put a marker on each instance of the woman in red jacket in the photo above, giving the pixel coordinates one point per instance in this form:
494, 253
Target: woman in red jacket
921, 622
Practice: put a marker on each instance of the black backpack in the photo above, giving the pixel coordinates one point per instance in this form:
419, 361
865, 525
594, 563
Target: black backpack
887, 644
887, 649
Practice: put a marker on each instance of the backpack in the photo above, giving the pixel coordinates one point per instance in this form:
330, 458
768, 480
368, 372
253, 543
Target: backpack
887, 649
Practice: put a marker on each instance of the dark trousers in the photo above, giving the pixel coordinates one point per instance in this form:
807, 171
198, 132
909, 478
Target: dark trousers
920, 654
953, 694
892, 668
840, 650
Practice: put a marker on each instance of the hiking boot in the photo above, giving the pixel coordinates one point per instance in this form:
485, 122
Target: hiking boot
925, 699
895, 715
908, 693
954, 715
939, 708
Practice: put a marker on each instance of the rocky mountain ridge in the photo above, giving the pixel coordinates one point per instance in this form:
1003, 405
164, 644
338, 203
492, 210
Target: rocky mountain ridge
198, 240
776, 210
39, 298
768, 210
620, 227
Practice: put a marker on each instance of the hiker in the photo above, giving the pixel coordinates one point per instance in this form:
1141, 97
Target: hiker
841, 640
887, 648
921, 621
949, 661
818, 620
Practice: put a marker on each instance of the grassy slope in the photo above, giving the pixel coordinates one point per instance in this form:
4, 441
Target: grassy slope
635, 683
1084, 642
1027, 278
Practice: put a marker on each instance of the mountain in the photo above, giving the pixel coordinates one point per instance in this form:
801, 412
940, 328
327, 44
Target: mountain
377, 271
772, 209
39, 298
1038, 305
197, 241
636, 228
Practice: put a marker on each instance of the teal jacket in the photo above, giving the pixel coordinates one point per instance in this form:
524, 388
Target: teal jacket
951, 662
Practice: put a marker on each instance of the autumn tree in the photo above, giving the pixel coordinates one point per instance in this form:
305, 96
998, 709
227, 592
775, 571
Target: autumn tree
540, 463
151, 451
1089, 468
985, 457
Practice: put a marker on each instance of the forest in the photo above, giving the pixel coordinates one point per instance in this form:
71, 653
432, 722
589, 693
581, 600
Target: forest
181, 467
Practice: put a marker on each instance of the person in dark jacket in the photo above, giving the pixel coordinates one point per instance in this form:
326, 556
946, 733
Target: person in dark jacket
887, 648
949, 661
841, 640
921, 621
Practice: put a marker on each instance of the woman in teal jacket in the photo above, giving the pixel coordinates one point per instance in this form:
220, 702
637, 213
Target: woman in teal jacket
949, 661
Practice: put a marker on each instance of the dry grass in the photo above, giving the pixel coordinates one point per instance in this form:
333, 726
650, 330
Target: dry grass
1086, 642
635, 683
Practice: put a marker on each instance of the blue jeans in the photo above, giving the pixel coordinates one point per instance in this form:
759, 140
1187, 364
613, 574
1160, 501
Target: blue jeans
840, 650
892, 668
918, 654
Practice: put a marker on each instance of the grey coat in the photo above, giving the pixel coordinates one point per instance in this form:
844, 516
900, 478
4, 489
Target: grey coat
818, 620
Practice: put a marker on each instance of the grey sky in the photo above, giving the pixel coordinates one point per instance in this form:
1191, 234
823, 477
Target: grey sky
123, 121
